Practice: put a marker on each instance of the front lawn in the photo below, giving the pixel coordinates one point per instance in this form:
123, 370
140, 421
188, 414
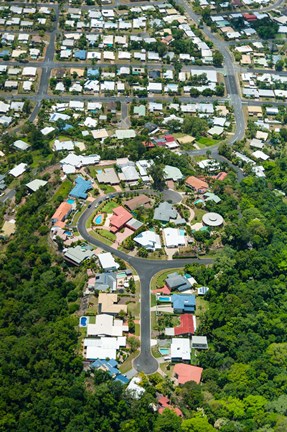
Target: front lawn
109, 206
63, 190
206, 142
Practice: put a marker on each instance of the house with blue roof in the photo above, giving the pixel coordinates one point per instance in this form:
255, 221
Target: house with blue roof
183, 303
80, 54
110, 366
93, 73
81, 188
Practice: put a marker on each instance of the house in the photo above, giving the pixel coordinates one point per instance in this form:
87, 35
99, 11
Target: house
166, 213
210, 196
36, 184
108, 176
199, 342
81, 188
198, 185
107, 262
134, 389
18, 170
137, 202
106, 325
180, 350
61, 214
103, 348
108, 304
177, 282
187, 326
119, 218
148, 240
105, 281
76, 255
173, 237
183, 303
185, 373
110, 366
164, 403
172, 173
21, 145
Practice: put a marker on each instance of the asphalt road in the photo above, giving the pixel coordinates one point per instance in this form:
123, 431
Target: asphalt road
145, 269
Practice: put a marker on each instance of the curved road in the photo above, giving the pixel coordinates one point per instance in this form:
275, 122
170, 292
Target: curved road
145, 269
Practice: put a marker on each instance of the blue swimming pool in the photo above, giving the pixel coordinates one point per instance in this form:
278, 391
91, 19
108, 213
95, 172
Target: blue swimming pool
99, 219
70, 201
181, 232
68, 233
164, 351
164, 299
99, 171
83, 321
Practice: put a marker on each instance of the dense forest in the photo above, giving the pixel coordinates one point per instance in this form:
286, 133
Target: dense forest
43, 385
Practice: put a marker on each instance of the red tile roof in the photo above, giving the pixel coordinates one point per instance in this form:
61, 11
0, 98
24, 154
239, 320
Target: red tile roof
169, 138
196, 183
164, 403
119, 218
186, 325
185, 373
220, 176
163, 290
61, 213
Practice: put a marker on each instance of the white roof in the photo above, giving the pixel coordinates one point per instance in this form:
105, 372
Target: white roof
212, 219
180, 348
22, 145
134, 388
149, 240
173, 238
18, 170
258, 154
257, 143
47, 130
106, 325
34, 185
107, 261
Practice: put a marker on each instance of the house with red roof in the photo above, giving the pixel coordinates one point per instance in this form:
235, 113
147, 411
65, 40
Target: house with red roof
184, 373
220, 176
163, 290
62, 212
197, 184
249, 17
164, 403
187, 326
119, 218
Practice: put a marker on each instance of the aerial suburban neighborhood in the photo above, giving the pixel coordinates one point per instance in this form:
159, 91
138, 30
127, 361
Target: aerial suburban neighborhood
143, 215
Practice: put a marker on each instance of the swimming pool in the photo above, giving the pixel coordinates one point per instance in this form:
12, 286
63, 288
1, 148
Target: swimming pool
99, 219
164, 299
70, 201
181, 232
68, 233
164, 351
99, 171
84, 321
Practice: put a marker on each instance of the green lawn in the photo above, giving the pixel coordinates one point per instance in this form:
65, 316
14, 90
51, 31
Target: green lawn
63, 190
198, 214
137, 330
153, 300
206, 142
100, 238
109, 206
106, 188
107, 234
127, 365
201, 308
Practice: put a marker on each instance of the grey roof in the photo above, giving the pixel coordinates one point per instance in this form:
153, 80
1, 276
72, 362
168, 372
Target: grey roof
134, 224
176, 281
104, 281
164, 212
78, 254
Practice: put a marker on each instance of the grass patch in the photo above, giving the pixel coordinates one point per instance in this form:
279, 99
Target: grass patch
201, 308
153, 300
109, 206
134, 308
106, 188
198, 214
107, 235
159, 278
92, 319
63, 190
100, 238
127, 364
206, 142
155, 352
167, 369
137, 329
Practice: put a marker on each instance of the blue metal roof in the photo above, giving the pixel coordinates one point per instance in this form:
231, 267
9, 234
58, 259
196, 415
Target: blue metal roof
81, 188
